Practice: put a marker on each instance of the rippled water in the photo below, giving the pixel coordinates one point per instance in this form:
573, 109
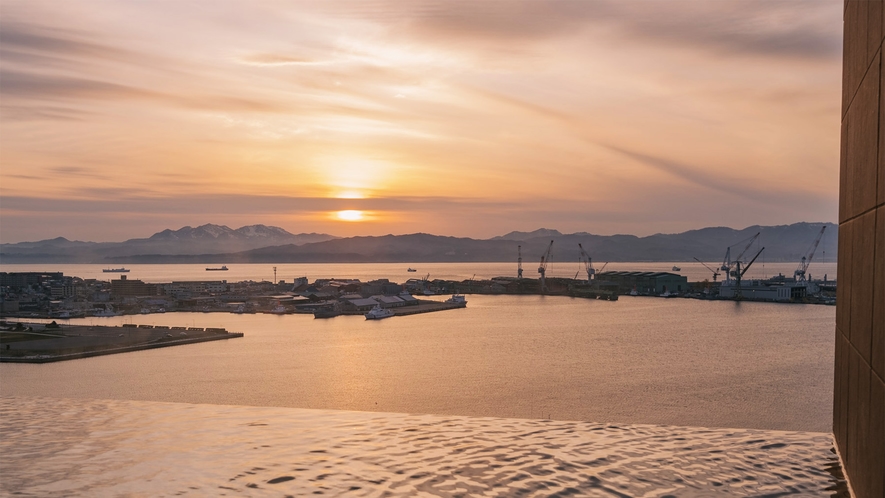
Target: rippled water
54, 447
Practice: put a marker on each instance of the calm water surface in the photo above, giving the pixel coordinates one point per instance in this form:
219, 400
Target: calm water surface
396, 272
638, 360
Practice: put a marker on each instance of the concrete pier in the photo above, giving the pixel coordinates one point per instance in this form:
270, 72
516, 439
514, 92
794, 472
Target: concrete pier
45, 344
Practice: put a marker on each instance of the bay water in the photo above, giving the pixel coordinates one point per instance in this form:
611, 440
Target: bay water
636, 360
526, 395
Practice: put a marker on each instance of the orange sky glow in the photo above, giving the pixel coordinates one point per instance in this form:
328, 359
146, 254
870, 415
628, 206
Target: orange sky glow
122, 118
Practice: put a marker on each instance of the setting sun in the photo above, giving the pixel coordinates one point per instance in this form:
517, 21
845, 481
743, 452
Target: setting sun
350, 215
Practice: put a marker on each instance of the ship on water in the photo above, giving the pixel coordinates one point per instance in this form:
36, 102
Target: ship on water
116, 270
220, 268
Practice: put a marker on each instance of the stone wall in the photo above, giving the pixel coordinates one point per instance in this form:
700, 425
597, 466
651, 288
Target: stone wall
859, 396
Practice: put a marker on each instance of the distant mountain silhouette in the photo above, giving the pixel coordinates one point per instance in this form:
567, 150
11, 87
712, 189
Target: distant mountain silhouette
204, 239
260, 244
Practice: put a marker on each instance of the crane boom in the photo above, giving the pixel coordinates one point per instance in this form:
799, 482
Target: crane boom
799, 274
728, 265
751, 262
588, 263
542, 269
752, 239
715, 272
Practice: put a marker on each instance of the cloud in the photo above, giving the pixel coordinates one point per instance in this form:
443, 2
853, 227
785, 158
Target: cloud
272, 59
786, 28
56, 87
32, 39
714, 179
142, 200
24, 85
74, 171
42, 112
510, 100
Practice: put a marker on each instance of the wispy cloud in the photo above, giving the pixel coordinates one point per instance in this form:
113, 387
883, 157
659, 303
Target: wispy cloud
272, 59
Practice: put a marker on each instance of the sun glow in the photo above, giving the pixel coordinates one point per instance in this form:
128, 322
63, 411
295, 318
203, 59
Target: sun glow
349, 215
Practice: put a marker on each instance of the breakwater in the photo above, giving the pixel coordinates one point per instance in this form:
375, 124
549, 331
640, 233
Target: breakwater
42, 343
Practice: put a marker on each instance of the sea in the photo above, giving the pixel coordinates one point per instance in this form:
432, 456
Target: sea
398, 272
538, 386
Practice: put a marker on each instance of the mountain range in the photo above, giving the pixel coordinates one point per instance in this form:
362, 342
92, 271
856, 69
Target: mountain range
204, 239
263, 244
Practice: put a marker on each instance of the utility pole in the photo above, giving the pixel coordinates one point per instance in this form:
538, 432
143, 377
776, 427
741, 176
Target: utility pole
275, 275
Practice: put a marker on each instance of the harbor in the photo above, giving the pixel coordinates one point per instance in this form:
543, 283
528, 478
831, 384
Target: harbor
55, 295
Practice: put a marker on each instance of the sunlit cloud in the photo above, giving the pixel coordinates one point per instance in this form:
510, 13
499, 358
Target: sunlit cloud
270, 59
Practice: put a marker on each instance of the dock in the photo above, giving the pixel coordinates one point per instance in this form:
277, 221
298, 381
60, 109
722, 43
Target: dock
423, 306
426, 307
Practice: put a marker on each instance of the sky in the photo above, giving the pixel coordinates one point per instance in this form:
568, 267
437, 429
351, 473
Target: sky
469, 118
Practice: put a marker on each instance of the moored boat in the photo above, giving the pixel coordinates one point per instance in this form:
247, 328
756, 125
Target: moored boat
378, 313
457, 299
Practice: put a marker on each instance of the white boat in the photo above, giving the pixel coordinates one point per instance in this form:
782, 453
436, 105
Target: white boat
378, 313
116, 270
457, 299
278, 310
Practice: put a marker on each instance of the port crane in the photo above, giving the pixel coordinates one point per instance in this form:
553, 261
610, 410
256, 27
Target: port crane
799, 274
518, 261
738, 274
588, 263
542, 269
714, 270
728, 264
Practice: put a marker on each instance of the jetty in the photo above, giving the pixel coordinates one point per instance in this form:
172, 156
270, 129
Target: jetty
45, 343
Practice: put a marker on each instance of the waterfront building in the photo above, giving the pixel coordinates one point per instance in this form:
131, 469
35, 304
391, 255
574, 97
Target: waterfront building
24, 279
131, 288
